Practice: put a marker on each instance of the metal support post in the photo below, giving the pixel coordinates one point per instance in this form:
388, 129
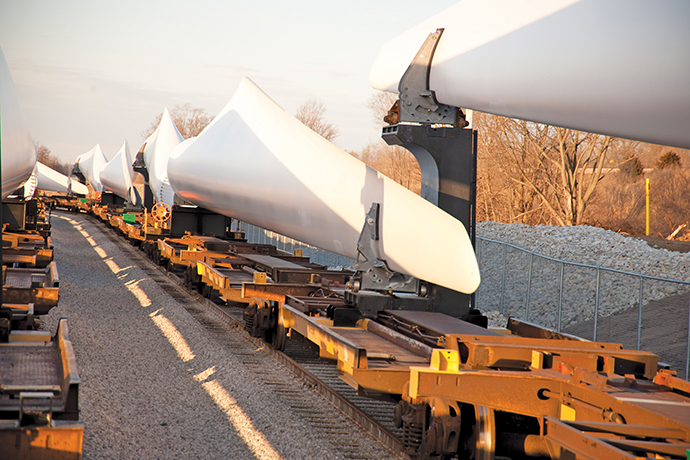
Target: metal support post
447, 159
596, 306
529, 286
139, 166
560, 298
646, 188
687, 351
503, 279
639, 314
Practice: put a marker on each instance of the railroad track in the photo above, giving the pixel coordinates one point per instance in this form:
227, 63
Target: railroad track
299, 365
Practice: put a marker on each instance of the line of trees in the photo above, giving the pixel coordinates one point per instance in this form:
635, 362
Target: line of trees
395, 162
538, 174
43, 155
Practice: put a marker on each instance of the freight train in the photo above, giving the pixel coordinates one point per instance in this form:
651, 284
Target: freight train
400, 324
39, 380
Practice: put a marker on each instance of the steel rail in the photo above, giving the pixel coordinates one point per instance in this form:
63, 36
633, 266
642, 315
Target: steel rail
381, 433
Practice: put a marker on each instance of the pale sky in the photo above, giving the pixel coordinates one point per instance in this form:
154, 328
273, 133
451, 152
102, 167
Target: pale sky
90, 71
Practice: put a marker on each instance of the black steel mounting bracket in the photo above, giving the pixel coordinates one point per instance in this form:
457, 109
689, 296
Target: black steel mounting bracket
446, 151
418, 103
139, 166
371, 272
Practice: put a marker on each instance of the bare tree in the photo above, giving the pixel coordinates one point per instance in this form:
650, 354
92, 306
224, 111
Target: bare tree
380, 103
554, 171
668, 160
190, 121
43, 155
311, 114
499, 197
395, 162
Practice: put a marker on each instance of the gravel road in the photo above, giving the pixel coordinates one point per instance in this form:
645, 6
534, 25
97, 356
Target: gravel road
155, 382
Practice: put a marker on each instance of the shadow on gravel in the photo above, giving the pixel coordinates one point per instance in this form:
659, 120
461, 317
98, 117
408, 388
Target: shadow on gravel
657, 242
664, 329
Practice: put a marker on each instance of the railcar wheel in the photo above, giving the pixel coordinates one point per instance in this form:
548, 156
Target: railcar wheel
191, 280
485, 432
249, 317
257, 318
279, 337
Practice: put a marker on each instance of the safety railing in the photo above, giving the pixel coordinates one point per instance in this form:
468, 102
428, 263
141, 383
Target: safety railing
591, 301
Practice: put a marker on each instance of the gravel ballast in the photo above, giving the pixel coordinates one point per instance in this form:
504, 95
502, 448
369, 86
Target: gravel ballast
155, 382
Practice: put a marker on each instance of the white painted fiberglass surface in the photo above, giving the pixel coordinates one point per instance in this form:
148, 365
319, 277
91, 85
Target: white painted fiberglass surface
54, 181
615, 67
17, 146
159, 146
90, 165
257, 163
116, 175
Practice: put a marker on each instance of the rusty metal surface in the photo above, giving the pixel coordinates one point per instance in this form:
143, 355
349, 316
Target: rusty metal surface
380, 352
32, 285
414, 346
526, 329
18, 257
61, 441
439, 323
18, 279
278, 292
508, 352
270, 262
311, 276
556, 383
568, 439
191, 256
234, 277
30, 365
616, 442
313, 305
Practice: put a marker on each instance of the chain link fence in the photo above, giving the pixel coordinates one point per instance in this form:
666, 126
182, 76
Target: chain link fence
259, 235
594, 302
